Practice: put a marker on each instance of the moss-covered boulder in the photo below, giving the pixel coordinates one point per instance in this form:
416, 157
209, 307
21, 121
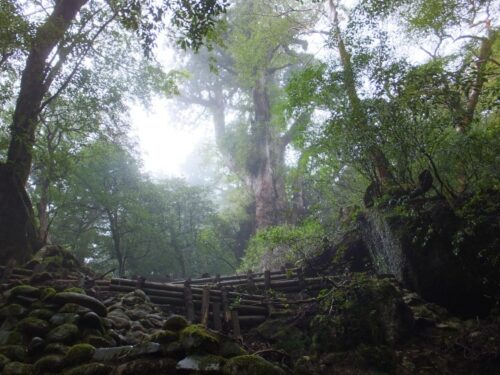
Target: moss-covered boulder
147, 366
49, 363
78, 354
33, 326
368, 310
197, 339
12, 310
18, 368
164, 337
44, 314
14, 352
82, 300
284, 336
229, 349
175, 323
66, 333
3, 361
250, 365
22, 290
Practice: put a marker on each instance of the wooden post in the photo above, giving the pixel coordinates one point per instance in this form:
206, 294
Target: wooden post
188, 300
205, 305
217, 278
141, 280
267, 279
236, 324
250, 281
216, 314
300, 277
7, 271
225, 308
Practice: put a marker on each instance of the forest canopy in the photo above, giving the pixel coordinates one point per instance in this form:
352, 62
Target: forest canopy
318, 108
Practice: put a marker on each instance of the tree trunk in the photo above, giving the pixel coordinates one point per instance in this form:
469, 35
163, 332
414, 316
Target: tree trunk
18, 235
376, 155
43, 214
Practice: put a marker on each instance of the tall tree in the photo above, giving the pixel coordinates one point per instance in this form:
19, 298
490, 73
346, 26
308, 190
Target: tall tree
18, 236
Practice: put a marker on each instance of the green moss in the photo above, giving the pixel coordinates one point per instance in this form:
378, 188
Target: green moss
47, 293
33, 326
211, 363
285, 336
56, 348
65, 333
79, 354
75, 290
49, 363
197, 339
250, 365
229, 349
22, 290
44, 314
12, 310
14, 338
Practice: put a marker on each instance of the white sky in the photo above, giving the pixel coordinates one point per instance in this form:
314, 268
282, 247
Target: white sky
164, 144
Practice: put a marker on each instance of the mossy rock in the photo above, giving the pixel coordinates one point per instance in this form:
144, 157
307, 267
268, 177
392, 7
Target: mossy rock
212, 363
47, 293
74, 308
229, 349
65, 333
174, 350
33, 326
93, 321
3, 361
44, 314
17, 368
12, 310
75, 290
381, 357
175, 323
89, 369
64, 318
78, 354
100, 341
92, 303
250, 365
197, 339
14, 352
49, 363
14, 338
22, 290
164, 337
147, 366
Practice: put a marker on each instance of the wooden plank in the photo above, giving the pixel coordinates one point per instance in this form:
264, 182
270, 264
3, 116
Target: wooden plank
188, 300
205, 306
216, 316
236, 324
267, 279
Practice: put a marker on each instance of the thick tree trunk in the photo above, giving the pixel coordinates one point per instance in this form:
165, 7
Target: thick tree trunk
42, 208
18, 239
18, 236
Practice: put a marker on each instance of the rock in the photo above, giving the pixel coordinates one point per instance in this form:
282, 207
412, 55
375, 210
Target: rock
78, 354
206, 364
231, 349
13, 310
100, 341
3, 361
14, 352
89, 369
112, 354
65, 333
36, 345
175, 323
92, 320
63, 318
49, 363
17, 368
44, 314
33, 326
22, 290
197, 339
56, 348
284, 336
74, 308
250, 365
164, 337
147, 366
46, 293
82, 300
174, 350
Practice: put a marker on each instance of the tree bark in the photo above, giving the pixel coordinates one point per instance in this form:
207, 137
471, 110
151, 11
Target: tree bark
18, 234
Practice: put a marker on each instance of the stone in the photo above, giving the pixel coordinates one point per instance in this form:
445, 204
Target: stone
49, 363
33, 326
14, 352
74, 308
111, 354
78, 354
36, 345
22, 290
229, 349
44, 314
63, 318
92, 320
56, 348
197, 339
17, 368
175, 323
250, 365
13, 310
82, 300
89, 369
65, 333
147, 366
3, 361
164, 337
